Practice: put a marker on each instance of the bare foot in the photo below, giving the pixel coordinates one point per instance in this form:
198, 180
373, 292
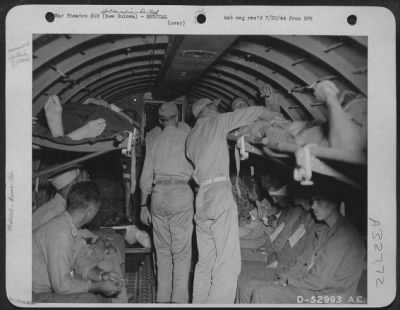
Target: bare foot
90, 130
53, 111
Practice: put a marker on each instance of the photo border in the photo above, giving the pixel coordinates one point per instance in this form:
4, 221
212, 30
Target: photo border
384, 81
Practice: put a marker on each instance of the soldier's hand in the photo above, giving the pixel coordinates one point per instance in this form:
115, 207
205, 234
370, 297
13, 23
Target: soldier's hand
111, 276
99, 249
325, 90
281, 279
261, 249
145, 216
265, 90
110, 249
280, 282
108, 288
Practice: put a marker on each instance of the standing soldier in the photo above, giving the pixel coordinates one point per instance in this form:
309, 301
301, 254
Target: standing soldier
217, 228
171, 210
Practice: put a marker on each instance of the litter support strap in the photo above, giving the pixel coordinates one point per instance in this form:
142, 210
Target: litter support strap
72, 162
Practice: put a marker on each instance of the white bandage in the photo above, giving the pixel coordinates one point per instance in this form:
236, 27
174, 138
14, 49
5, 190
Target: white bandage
63, 179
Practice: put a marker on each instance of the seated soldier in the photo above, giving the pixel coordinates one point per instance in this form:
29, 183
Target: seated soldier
102, 247
62, 182
330, 264
249, 216
61, 272
261, 224
291, 225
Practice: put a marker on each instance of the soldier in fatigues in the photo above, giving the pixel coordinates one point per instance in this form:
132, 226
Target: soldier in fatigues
216, 218
171, 209
330, 265
291, 226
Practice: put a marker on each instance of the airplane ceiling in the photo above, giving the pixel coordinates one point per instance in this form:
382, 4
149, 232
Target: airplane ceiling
116, 67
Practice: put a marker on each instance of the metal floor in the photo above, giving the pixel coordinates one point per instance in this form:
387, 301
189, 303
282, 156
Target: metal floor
141, 283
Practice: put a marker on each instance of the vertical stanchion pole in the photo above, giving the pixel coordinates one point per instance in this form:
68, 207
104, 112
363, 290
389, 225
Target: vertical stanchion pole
184, 103
143, 122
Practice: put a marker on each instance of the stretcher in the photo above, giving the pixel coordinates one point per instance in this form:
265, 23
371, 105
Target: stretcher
43, 138
319, 160
123, 140
113, 142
